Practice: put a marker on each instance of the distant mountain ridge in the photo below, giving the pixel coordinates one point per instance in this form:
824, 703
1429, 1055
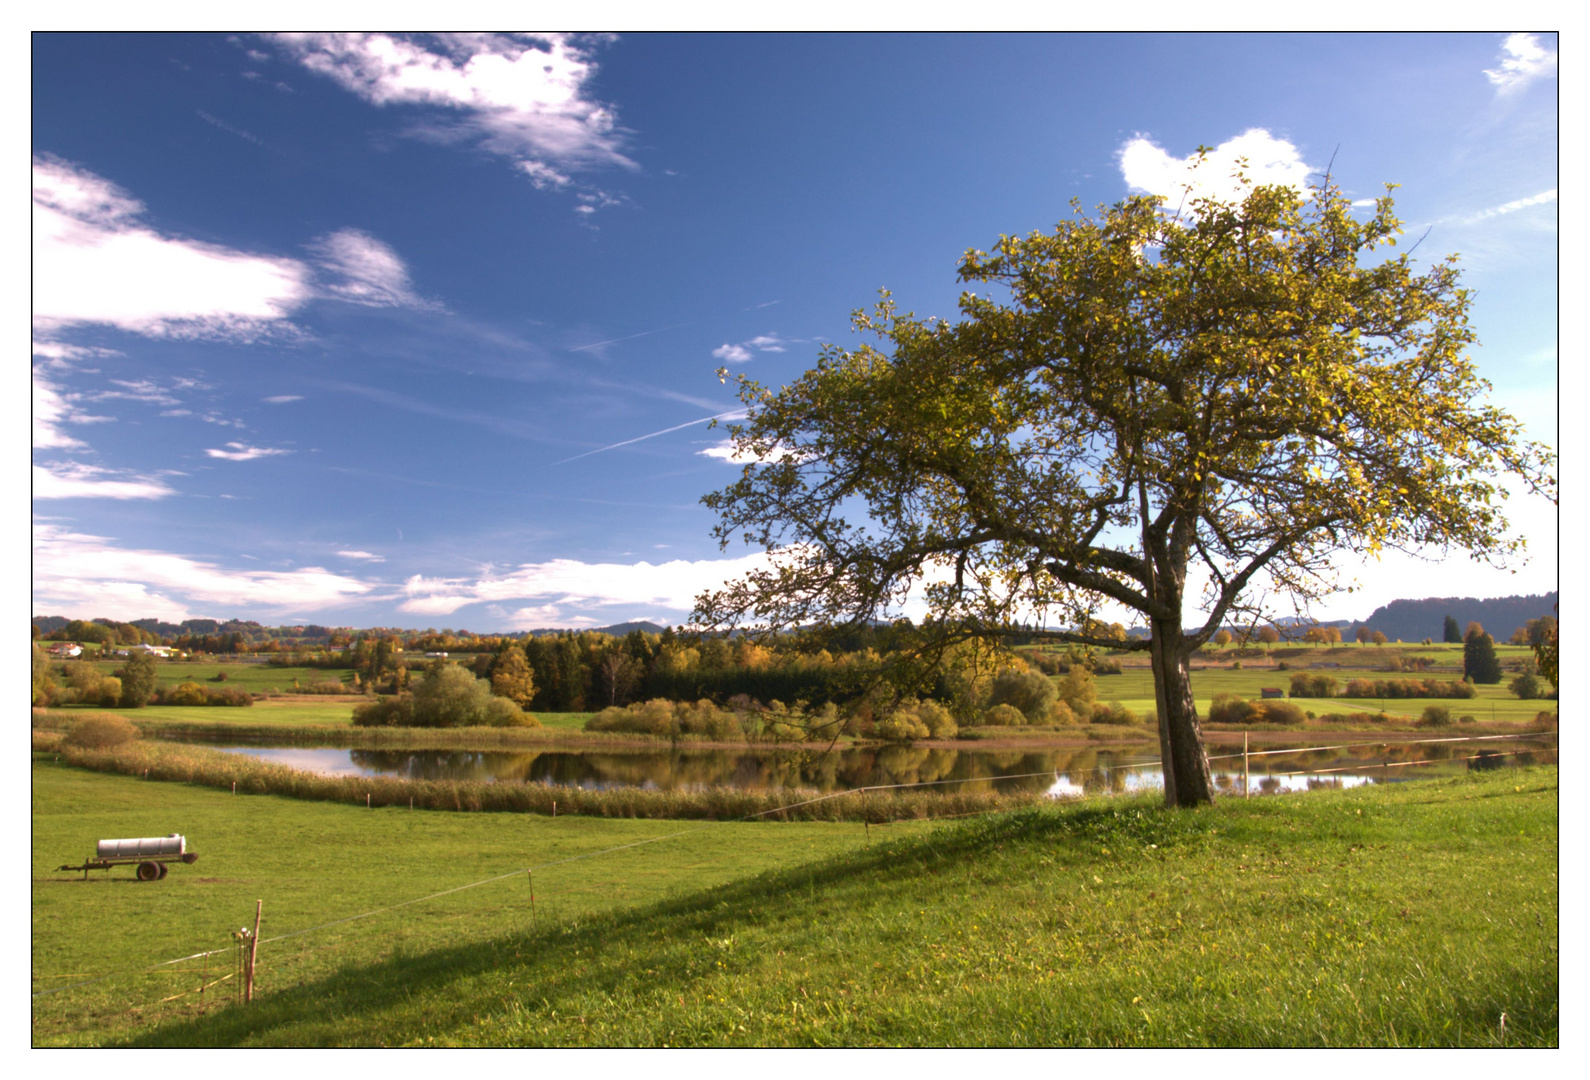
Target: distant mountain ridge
1415, 620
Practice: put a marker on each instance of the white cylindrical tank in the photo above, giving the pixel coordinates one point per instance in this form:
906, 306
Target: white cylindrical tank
175, 844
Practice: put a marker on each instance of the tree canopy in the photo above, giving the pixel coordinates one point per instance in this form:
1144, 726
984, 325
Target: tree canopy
1233, 394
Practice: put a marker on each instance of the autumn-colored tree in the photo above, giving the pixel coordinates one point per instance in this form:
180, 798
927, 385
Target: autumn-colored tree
512, 678
1269, 635
1364, 634
1244, 387
1222, 638
1378, 638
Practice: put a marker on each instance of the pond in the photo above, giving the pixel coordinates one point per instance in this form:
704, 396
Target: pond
1057, 772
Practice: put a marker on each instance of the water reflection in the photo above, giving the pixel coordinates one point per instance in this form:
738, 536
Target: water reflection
1060, 773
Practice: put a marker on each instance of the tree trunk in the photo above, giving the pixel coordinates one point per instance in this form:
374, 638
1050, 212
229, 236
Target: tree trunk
1185, 762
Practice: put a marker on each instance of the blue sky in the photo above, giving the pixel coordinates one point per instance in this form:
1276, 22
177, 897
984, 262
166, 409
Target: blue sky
422, 332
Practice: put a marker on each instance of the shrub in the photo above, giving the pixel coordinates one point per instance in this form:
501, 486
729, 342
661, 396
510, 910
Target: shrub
1230, 709
1280, 712
397, 711
1060, 713
98, 731
902, 725
1526, 687
1114, 713
938, 720
1107, 667
109, 692
1078, 691
1313, 686
1004, 716
502, 712
184, 693
1436, 716
450, 696
1029, 691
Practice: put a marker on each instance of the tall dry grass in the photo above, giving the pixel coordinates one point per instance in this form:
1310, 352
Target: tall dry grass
213, 768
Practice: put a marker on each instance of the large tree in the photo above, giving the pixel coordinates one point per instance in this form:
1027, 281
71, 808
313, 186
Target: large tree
1228, 396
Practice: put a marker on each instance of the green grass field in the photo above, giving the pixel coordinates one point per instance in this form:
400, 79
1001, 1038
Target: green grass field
1411, 914
1212, 675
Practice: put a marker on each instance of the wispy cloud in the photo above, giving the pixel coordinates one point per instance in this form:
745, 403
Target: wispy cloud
1512, 207
1263, 158
282, 399
77, 481
364, 556
523, 97
743, 351
1523, 60
564, 586
87, 576
363, 270
242, 452
96, 262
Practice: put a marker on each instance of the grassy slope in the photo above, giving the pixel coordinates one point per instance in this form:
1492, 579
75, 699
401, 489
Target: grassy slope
315, 861
1410, 914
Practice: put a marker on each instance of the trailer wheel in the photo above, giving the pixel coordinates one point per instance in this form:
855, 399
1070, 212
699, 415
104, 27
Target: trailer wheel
148, 871
163, 871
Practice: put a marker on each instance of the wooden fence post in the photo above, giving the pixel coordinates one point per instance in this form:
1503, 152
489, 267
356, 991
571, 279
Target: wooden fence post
1244, 764
253, 952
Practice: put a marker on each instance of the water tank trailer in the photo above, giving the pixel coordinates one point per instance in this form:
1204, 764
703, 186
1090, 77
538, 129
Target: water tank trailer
151, 854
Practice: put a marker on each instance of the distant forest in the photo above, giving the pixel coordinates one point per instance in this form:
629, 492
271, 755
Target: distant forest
1415, 620
1400, 620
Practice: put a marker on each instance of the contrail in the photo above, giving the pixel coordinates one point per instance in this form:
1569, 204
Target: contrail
626, 337
732, 413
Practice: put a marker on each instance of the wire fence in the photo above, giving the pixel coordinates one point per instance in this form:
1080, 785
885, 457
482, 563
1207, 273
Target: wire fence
240, 938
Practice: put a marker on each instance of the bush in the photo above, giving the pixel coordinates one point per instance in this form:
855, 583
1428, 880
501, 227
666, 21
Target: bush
1114, 713
1526, 687
1078, 691
938, 720
1029, 691
1107, 667
1230, 709
1007, 716
395, 711
1313, 686
184, 693
99, 731
1407, 688
902, 725
192, 693
1060, 713
1436, 716
109, 692
1281, 712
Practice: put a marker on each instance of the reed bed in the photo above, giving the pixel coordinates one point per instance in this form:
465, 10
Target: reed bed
213, 768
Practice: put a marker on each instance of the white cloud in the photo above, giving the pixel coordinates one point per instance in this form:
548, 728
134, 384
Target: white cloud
725, 451
77, 481
523, 97
1268, 160
50, 410
1511, 207
95, 262
88, 576
561, 584
242, 452
364, 555
366, 271
739, 354
1523, 60
283, 399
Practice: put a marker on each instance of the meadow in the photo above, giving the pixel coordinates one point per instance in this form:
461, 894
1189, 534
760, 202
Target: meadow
1404, 914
